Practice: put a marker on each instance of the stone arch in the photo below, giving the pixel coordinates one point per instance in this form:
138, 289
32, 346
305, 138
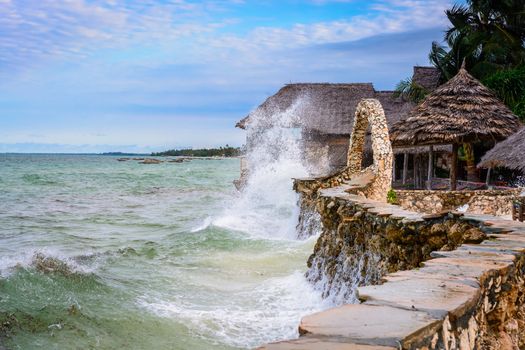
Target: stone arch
370, 112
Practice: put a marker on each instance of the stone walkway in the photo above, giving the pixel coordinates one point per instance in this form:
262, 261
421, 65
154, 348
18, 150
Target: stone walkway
416, 304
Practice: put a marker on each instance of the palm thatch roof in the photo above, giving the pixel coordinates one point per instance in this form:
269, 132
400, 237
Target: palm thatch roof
509, 153
461, 110
423, 149
426, 77
326, 108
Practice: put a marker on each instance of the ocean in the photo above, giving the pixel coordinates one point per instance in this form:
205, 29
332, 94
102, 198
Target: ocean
101, 254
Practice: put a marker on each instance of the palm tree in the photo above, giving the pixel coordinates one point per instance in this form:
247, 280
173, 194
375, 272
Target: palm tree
509, 85
410, 91
488, 34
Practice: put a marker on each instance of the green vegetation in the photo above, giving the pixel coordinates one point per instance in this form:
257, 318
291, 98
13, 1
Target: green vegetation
410, 91
489, 35
391, 197
509, 85
226, 151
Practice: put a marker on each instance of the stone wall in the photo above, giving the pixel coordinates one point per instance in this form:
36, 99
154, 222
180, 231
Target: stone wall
358, 246
413, 281
491, 202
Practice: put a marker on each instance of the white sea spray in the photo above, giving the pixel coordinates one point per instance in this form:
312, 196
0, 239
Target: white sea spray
267, 206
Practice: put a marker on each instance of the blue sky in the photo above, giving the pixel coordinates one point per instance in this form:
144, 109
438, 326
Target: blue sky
95, 76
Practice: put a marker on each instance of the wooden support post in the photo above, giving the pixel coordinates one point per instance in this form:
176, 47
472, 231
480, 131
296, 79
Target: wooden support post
430, 166
487, 181
393, 169
454, 168
405, 168
414, 169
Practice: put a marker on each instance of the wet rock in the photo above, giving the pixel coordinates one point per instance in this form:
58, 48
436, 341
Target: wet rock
474, 235
151, 161
46, 265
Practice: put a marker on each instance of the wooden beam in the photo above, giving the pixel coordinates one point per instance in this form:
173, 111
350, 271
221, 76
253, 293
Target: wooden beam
405, 168
454, 168
430, 167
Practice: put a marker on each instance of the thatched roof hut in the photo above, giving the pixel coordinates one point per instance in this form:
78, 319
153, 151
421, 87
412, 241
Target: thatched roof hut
509, 153
327, 108
460, 111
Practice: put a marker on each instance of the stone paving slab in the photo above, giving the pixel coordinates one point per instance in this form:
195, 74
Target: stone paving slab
374, 207
485, 264
499, 247
437, 297
367, 324
311, 343
435, 273
474, 254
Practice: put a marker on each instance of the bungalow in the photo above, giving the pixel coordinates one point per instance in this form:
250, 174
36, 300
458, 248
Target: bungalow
325, 123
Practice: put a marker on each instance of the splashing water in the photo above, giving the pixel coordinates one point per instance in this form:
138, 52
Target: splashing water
267, 205
120, 255
338, 280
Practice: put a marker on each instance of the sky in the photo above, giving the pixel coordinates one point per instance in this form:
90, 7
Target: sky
142, 76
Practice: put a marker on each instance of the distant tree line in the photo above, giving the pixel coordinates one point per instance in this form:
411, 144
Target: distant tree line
226, 151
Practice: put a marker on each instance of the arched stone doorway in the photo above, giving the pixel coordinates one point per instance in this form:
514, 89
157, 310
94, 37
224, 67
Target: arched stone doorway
369, 112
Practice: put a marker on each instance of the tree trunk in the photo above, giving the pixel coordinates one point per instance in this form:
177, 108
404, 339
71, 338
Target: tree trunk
472, 173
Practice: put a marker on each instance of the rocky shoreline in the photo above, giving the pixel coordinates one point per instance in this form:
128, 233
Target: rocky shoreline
413, 280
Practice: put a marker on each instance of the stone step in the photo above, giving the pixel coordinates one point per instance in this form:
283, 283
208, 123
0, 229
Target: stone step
474, 254
370, 324
437, 297
312, 343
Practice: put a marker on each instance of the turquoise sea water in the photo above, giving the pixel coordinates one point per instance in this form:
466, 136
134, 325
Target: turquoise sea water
100, 254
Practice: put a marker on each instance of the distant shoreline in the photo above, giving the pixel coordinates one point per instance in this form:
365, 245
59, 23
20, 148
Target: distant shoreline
143, 155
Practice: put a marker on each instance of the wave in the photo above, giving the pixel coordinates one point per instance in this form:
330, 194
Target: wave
202, 226
272, 311
48, 261
267, 206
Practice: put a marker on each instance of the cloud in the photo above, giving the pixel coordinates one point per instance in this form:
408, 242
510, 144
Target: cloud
76, 29
182, 72
394, 16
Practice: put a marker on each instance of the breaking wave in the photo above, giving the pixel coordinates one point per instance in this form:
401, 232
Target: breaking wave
267, 205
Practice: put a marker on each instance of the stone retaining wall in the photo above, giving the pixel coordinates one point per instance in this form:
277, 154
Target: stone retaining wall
425, 281
358, 246
491, 202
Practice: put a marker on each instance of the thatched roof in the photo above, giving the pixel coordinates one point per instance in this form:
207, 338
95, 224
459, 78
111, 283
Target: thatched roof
426, 77
422, 149
509, 153
461, 110
328, 108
